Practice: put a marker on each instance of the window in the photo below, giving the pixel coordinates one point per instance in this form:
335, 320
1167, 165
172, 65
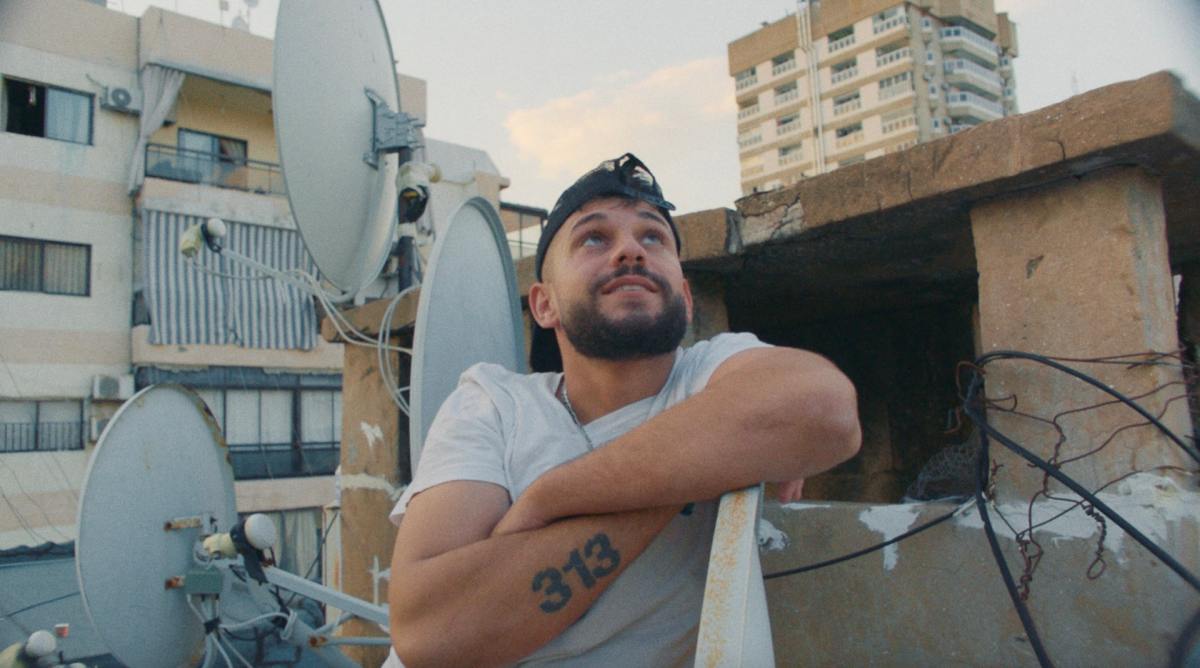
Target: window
787, 120
210, 158
47, 111
784, 59
29, 426
278, 433
744, 75
841, 34
34, 265
843, 66
849, 130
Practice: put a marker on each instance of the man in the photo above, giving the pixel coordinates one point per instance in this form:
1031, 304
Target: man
567, 517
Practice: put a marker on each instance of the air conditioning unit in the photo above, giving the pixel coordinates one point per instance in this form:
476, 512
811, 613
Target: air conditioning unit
120, 99
96, 427
112, 388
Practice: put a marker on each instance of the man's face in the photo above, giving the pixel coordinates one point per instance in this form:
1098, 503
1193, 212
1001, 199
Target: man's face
616, 282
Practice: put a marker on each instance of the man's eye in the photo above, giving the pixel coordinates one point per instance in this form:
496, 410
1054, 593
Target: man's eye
593, 240
652, 238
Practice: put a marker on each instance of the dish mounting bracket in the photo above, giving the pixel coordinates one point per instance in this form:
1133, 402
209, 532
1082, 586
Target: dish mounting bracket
392, 131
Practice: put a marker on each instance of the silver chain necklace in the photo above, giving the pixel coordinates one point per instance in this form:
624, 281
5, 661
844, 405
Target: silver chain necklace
566, 401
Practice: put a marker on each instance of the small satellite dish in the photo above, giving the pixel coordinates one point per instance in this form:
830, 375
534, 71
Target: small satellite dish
161, 459
336, 103
469, 312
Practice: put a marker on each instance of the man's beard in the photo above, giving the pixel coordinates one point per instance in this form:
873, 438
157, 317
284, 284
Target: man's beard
636, 336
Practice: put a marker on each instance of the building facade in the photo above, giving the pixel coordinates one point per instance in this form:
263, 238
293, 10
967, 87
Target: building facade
117, 133
842, 82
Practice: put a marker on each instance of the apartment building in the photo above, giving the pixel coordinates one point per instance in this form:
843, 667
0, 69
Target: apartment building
842, 81
117, 133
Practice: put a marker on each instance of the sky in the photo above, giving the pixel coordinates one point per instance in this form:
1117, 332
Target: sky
549, 88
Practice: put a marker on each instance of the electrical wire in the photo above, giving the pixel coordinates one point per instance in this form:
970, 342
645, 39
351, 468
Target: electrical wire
866, 550
971, 406
39, 604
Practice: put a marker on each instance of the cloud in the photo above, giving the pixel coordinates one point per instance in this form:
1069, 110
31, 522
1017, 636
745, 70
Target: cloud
678, 119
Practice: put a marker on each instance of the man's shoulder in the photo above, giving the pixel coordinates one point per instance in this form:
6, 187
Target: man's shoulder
497, 378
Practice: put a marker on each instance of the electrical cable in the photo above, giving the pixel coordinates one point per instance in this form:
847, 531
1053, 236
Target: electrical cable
320, 549
867, 550
39, 604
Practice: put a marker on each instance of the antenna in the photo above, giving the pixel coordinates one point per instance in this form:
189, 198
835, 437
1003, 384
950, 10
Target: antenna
468, 312
340, 133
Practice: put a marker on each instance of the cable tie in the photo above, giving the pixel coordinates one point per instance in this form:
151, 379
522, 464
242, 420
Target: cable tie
212, 625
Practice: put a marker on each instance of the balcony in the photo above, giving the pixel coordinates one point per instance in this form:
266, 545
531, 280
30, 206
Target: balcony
181, 164
844, 75
746, 82
753, 170
839, 44
847, 106
791, 158
965, 73
849, 139
897, 124
785, 128
895, 90
880, 27
790, 96
785, 66
893, 57
747, 112
746, 141
959, 39
964, 105
283, 460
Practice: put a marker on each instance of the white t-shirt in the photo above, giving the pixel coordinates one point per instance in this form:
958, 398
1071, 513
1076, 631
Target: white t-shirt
508, 429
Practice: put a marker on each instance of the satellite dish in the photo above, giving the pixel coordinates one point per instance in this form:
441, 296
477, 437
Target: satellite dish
468, 312
160, 459
335, 100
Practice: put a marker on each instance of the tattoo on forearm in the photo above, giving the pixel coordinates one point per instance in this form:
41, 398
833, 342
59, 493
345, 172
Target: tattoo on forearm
599, 558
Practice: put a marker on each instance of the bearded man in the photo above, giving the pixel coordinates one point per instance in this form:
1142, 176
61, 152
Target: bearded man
566, 516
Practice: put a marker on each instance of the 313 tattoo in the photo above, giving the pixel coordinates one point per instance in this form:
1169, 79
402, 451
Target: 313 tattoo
599, 558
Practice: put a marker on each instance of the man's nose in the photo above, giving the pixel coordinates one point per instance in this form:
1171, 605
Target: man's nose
629, 251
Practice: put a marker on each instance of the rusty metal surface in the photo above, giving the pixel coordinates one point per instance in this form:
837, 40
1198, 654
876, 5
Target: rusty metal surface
734, 626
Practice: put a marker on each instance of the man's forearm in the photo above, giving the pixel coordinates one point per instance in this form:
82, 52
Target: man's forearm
777, 419
515, 592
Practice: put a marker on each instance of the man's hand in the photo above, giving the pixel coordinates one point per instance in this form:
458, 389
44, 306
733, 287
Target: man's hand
790, 491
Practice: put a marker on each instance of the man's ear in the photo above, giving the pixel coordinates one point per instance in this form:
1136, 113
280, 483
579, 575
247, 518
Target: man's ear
542, 306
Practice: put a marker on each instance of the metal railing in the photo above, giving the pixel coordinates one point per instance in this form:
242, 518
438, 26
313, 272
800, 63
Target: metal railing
181, 164
785, 66
888, 92
784, 128
970, 36
893, 56
747, 112
40, 436
848, 139
839, 44
882, 26
793, 94
898, 124
283, 460
743, 84
843, 75
847, 106
750, 140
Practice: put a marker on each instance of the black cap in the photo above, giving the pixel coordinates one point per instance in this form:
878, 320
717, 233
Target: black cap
625, 176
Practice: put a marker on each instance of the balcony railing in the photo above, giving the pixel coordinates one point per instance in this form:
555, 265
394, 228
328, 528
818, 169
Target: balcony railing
899, 124
884, 26
793, 94
747, 112
753, 170
844, 75
747, 141
181, 164
784, 128
957, 36
41, 436
901, 88
791, 158
893, 56
746, 82
839, 44
963, 104
283, 460
848, 140
785, 66
847, 106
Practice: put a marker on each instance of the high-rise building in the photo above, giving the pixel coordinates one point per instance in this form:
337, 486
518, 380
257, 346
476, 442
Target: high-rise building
842, 81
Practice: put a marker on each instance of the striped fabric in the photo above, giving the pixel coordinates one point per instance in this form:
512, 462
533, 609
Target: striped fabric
190, 306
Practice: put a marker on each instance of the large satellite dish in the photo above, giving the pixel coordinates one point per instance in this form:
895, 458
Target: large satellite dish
160, 459
336, 103
469, 312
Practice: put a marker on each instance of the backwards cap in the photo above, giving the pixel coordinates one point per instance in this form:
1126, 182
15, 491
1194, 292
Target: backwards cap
625, 176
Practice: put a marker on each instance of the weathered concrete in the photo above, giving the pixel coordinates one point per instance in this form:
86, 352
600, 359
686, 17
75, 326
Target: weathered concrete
936, 599
372, 442
1079, 269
